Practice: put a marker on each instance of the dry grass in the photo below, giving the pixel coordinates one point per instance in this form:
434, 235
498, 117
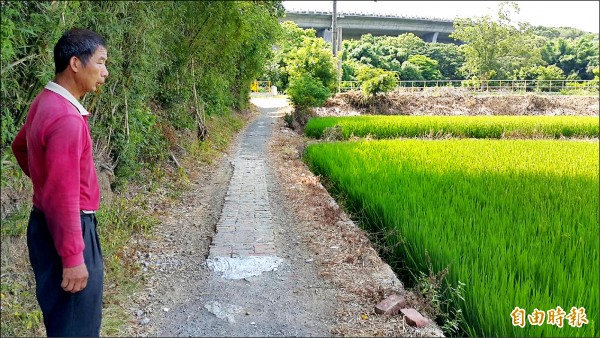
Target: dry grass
21, 315
344, 254
444, 101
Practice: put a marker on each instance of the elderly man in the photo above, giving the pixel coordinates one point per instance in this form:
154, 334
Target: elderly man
54, 149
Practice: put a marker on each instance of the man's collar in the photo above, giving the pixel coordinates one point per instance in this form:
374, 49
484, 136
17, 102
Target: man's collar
60, 90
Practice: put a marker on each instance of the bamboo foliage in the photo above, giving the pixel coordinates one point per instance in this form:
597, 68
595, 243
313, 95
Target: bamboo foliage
150, 46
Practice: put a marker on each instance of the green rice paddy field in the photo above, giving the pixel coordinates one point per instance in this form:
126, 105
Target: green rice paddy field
516, 221
457, 126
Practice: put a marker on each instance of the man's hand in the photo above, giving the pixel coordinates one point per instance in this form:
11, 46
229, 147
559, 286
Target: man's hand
75, 278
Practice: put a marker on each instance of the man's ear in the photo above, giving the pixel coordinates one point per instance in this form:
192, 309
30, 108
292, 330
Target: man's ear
75, 63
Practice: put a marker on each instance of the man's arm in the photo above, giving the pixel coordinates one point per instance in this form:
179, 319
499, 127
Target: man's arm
19, 149
64, 145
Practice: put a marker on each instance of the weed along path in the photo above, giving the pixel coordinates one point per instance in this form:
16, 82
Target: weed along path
256, 247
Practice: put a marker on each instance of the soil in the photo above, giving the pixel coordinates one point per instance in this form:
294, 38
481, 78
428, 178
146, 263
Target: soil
328, 284
452, 101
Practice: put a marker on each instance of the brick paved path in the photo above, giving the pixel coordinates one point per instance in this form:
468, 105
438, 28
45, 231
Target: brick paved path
245, 227
261, 283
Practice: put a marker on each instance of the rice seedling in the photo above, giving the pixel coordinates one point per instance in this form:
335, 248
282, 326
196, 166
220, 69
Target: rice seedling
516, 221
381, 127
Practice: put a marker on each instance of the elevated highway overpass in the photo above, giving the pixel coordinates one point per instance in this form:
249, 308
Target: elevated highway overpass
354, 25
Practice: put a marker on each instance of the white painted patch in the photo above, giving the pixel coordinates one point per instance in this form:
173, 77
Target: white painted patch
227, 312
270, 102
242, 267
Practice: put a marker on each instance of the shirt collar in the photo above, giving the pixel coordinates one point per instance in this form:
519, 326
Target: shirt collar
60, 90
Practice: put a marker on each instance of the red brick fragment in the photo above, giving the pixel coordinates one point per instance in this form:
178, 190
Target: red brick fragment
414, 318
391, 305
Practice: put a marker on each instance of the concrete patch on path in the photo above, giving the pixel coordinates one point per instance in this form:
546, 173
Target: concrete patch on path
243, 267
225, 312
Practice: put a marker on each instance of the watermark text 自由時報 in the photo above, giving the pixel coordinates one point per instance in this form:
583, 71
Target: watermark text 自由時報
575, 318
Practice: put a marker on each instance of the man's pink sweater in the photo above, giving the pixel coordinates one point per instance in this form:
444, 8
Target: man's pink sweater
54, 149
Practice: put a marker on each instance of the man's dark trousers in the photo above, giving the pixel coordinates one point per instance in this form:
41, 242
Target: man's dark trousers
65, 313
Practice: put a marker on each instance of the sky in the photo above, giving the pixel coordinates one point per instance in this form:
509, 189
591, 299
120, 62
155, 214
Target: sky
577, 14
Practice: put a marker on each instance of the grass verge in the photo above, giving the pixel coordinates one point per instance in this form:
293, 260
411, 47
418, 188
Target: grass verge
129, 215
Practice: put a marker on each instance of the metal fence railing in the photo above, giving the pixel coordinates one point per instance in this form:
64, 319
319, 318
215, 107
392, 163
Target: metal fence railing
260, 86
513, 86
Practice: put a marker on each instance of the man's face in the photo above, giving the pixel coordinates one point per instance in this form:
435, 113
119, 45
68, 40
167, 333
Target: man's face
94, 73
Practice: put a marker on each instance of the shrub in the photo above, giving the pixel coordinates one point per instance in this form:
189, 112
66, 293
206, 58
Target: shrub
306, 91
376, 80
542, 76
313, 58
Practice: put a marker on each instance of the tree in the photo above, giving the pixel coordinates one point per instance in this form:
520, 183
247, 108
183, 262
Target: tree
313, 58
576, 57
483, 43
427, 66
449, 59
290, 39
410, 72
558, 32
408, 42
169, 62
383, 52
488, 42
364, 51
349, 70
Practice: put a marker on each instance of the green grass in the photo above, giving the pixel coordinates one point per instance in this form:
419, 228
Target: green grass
381, 127
515, 220
221, 129
118, 222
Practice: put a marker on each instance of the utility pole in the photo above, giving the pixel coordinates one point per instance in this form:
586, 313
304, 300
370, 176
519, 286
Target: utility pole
334, 37
336, 42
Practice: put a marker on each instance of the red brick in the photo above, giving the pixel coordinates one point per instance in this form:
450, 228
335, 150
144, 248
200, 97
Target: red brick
414, 318
264, 248
260, 254
220, 251
391, 305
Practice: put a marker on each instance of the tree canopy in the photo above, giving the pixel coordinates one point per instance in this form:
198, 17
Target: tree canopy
486, 48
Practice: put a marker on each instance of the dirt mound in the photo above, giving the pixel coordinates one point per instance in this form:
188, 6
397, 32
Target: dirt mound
442, 101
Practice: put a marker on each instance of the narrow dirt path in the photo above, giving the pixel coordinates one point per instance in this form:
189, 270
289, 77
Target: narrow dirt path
195, 301
257, 247
250, 302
